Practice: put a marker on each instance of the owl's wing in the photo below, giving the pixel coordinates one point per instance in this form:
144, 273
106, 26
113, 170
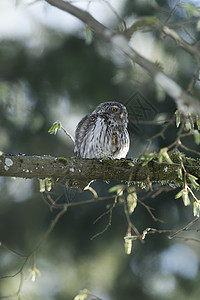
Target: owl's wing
88, 146
95, 143
81, 131
87, 136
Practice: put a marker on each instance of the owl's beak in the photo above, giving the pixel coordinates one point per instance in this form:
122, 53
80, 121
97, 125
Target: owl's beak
121, 115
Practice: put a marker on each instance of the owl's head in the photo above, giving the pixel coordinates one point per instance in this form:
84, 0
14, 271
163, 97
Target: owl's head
112, 109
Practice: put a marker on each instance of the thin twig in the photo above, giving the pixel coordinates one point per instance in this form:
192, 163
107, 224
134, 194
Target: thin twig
148, 208
159, 134
130, 224
109, 221
185, 228
79, 203
193, 195
172, 11
186, 239
106, 212
21, 271
89, 188
68, 134
188, 149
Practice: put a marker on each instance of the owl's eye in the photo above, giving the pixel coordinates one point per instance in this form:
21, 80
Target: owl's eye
114, 109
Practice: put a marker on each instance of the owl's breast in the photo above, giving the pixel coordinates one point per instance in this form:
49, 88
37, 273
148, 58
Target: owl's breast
116, 140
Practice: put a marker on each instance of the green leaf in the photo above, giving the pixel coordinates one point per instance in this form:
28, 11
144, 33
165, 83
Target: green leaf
128, 242
198, 120
185, 196
164, 155
48, 182
191, 123
121, 200
179, 195
178, 118
34, 272
188, 125
42, 185
128, 245
197, 136
180, 173
82, 295
192, 180
160, 157
148, 158
55, 127
191, 10
119, 189
89, 35
196, 208
131, 199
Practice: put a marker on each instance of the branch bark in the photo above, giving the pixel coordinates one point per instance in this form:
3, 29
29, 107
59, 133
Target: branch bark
185, 103
82, 170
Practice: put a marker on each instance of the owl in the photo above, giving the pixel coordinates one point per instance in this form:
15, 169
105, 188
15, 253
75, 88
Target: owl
103, 133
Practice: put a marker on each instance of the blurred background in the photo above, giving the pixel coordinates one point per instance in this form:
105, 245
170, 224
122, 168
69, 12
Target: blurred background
51, 69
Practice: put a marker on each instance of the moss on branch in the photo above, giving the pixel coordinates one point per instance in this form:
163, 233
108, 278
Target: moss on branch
77, 169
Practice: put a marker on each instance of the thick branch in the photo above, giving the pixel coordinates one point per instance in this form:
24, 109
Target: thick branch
185, 103
88, 169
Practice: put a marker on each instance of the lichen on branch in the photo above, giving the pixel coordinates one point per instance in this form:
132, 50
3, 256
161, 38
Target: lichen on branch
73, 168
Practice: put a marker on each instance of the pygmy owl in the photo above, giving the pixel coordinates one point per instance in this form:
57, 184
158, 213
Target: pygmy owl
103, 133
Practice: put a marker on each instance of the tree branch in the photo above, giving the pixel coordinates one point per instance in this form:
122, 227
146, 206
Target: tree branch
185, 103
89, 169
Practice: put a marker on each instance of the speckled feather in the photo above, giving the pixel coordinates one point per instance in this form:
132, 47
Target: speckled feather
103, 133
